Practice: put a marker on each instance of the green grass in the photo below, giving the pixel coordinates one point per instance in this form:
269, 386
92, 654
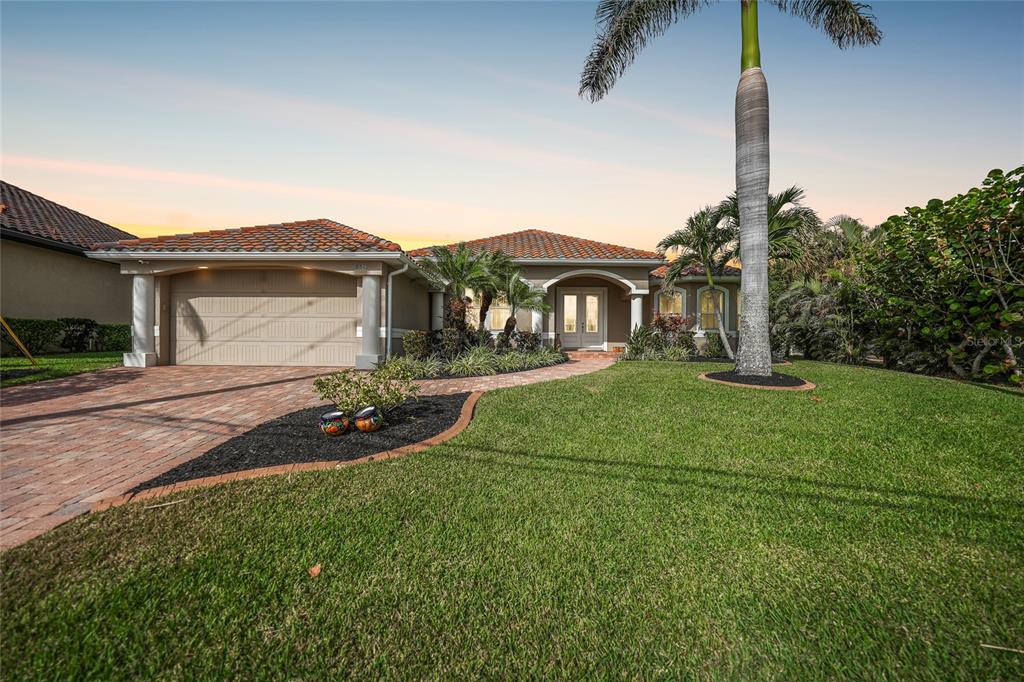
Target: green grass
54, 366
635, 522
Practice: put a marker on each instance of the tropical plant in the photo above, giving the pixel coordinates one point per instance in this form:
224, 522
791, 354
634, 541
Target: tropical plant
452, 342
624, 29
790, 223
474, 362
384, 388
498, 266
706, 240
714, 347
527, 341
416, 344
455, 271
425, 368
520, 295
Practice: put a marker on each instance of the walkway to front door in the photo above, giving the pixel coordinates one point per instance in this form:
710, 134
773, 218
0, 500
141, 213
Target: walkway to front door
581, 317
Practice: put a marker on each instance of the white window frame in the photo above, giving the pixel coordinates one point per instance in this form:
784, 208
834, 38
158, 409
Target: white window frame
672, 290
725, 310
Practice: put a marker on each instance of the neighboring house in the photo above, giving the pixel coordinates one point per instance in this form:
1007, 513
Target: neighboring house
44, 273
321, 293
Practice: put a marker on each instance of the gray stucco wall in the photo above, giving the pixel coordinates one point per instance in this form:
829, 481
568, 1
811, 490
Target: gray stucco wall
45, 284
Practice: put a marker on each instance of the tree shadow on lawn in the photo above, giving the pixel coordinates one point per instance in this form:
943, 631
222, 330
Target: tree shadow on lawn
75, 384
693, 476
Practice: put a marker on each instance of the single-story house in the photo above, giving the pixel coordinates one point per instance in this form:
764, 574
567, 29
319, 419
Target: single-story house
321, 293
44, 272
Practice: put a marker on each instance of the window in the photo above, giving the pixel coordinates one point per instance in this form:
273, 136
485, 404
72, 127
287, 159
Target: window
670, 302
707, 308
569, 314
593, 306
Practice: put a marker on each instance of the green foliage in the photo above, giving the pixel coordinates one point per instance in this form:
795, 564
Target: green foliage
474, 362
713, 347
948, 283
384, 388
481, 338
427, 368
37, 335
665, 339
452, 342
502, 342
416, 344
527, 341
513, 361
114, 337
79, 333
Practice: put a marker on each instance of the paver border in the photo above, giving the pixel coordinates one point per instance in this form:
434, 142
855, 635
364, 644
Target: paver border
808, 385
465, 416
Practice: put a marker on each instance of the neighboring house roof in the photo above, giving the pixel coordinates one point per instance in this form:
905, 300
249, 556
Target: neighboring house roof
320, 235
695, 270
542, 245
40, 220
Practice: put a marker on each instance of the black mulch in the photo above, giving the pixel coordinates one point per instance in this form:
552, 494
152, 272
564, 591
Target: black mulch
296, 438
776, 379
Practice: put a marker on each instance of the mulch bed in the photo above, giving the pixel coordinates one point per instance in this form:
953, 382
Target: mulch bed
296, 438
776, 380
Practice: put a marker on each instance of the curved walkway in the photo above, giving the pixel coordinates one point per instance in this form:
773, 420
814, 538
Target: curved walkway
68, 443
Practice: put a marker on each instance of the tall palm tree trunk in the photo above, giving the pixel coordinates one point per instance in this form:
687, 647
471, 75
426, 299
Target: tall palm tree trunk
754, 356
718, 313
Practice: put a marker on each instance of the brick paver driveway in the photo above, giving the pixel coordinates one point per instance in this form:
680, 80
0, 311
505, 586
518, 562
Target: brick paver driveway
67, 443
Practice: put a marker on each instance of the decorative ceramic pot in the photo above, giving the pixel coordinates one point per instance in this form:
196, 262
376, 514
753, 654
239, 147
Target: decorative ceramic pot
368, 419
334, 423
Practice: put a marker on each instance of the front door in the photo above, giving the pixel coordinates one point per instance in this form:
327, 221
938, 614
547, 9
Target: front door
581, 317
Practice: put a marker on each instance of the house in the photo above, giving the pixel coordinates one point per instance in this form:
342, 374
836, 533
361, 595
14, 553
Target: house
321, 293
44, 273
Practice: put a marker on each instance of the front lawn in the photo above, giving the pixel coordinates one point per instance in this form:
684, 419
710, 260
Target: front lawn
16, 369
635, 522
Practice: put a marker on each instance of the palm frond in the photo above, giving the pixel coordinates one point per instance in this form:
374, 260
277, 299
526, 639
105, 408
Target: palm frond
845, 22
624, 29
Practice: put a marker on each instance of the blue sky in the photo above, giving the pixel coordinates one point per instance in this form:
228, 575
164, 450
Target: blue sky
428, 122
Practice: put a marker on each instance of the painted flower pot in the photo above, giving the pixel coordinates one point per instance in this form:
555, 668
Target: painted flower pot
334, 423
368, 419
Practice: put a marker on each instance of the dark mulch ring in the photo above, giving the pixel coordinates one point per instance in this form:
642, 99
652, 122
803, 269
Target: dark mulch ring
296, 438
775, 380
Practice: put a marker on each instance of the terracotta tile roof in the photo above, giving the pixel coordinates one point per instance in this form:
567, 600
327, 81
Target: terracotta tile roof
693, 271
542, 244
303, 236
32, 215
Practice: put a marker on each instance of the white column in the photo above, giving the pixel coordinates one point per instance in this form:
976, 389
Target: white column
538, 321
370, 356
636, 311
436, 310
143, 322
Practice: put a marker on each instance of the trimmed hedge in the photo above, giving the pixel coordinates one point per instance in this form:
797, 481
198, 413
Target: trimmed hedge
114, 337
37, 335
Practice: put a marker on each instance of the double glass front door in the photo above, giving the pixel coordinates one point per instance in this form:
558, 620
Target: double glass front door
581, 317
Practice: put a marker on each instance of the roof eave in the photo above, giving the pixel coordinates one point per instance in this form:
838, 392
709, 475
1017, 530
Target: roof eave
118, 255
28, 238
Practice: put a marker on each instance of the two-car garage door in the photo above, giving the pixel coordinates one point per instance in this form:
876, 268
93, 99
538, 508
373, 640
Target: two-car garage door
264, 317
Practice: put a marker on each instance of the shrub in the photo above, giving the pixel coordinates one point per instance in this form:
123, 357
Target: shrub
639, 343
384, 388
684, 340
513, 361
114, 337
416, 344
481, 338
676, 354
713, 347
502, 342
428, 368
474, 362
527, 341
452, 342
545, 356
79, 333
37, 335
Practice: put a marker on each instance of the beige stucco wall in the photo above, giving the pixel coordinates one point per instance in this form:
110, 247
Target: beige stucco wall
45, 284
410, 303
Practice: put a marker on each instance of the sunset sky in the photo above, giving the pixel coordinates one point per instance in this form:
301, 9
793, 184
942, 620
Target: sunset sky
432, 122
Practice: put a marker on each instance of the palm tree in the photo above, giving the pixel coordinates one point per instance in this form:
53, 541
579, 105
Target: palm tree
790, 223
625, 27
500, 267
520, 295
455, 271
707, 240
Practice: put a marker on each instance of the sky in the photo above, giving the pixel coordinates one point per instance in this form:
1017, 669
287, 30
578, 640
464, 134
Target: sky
433, 122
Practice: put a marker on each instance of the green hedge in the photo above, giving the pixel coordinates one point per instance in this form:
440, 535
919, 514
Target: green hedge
114, 337
37, 335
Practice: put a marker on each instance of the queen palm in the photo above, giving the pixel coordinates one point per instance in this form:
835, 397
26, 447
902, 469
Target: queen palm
520, 295
707, 240
625, 27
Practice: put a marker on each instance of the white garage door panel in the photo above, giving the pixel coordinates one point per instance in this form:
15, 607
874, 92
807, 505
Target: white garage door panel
265, 317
